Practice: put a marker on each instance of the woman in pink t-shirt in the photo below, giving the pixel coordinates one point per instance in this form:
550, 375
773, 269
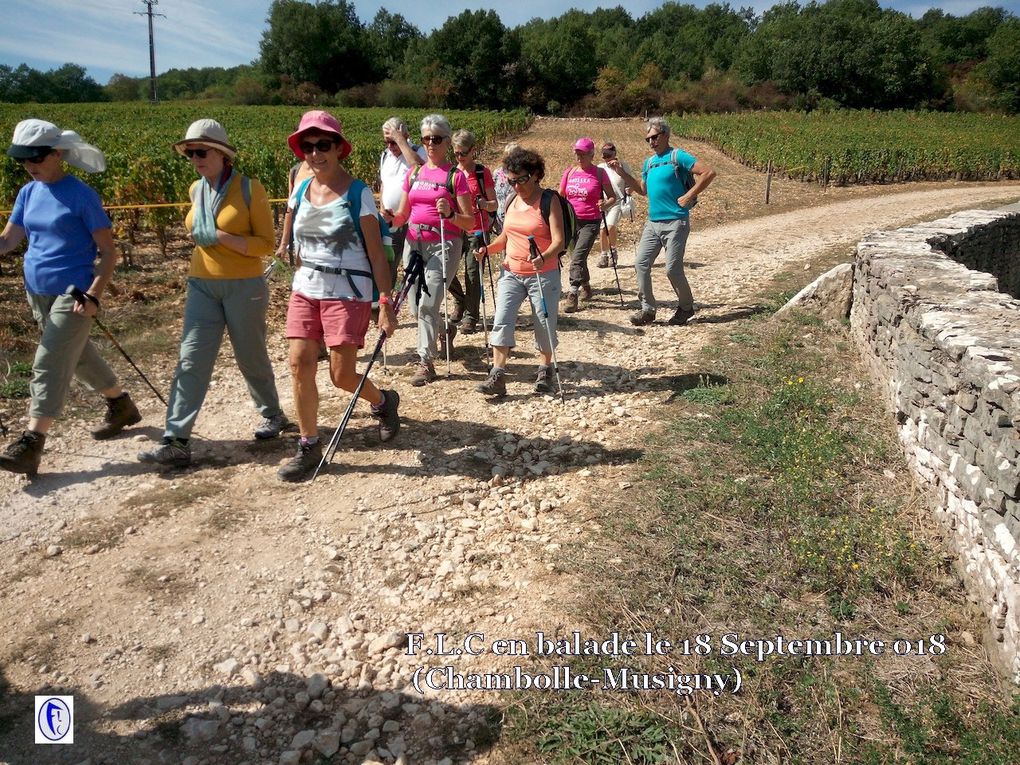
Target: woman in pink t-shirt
589, 192
436, 190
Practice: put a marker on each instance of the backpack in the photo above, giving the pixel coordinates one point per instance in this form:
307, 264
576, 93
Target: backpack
480, 179
545, 207
685, 176
449, 179
354, 205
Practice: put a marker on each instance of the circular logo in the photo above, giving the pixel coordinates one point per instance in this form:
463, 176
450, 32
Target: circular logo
54, 719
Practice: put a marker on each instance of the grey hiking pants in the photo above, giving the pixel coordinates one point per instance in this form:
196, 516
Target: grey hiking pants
239, 306
671, 236
430, 308
587, 234
64, 351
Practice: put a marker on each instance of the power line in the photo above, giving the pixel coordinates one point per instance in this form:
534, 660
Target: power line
152, 46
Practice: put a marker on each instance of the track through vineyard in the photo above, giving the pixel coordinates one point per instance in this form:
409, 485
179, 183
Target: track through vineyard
192, 613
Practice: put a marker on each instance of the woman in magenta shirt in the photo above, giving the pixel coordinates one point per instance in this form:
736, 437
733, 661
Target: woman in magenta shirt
435, 190
589, 192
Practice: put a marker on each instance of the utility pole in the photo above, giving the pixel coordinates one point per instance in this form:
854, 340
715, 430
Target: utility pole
152, 46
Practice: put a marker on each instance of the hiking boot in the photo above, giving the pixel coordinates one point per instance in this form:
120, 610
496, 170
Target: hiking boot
469, 326
451, 332
172, 452
271, 427
603, 260
425, 373
495, 383
120, 412
571, 303
457, 313
25, 454
303, 463
642, 317
681, 317
586, 292
389, 420
544, 380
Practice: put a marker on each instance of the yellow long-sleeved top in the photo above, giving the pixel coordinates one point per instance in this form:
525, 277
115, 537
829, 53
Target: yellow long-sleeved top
255, 224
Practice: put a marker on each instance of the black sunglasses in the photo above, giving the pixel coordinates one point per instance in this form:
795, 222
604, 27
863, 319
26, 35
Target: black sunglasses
653, 137
463, 153
41, 154
519, 180
432, 139
322, 145
390, 143
200, 153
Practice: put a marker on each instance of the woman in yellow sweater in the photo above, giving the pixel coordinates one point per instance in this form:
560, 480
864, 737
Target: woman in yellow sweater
232, 226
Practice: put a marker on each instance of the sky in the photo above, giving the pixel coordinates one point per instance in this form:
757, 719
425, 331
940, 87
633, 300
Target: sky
105, 36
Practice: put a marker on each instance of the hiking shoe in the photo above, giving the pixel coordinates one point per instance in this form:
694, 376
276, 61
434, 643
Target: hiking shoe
120, 412
172, 452
469, 326
25, 454
681, 317
425, 373
495, 383
603, 260
451, 332
389, 421
457, 313
544, 380
271, 427
571, 303
586, 292
303, 463
642, 317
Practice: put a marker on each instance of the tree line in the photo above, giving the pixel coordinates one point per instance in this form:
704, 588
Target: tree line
840, 53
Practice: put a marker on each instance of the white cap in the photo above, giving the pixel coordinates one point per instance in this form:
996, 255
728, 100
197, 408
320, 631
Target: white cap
32, 134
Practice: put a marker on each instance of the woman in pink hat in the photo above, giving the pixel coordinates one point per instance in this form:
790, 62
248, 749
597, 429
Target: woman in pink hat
589, 192
340, 257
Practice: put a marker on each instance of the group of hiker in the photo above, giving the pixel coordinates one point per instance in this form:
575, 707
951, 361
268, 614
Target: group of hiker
434, 212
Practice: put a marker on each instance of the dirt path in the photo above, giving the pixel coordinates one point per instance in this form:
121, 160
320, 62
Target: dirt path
216, 615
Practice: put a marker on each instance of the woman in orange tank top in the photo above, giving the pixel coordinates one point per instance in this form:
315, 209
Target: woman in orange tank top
528, 272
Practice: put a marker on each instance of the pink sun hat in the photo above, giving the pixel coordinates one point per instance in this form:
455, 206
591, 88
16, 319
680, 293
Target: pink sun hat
323, 122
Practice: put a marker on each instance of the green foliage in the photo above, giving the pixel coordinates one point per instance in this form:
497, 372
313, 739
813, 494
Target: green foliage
66, 84
599, 734
1002, 68
143, 169
866, 146
15, 383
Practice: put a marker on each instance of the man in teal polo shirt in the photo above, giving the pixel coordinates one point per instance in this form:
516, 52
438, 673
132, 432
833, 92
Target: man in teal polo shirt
668, 225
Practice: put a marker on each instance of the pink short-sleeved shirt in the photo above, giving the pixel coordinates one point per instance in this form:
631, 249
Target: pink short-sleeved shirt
583, 189
428, 188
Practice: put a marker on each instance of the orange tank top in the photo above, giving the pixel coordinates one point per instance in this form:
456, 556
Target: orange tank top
518, 226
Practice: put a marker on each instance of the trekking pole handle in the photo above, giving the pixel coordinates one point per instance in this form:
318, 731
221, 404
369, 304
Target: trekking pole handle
80, 297
535, 254
480, 239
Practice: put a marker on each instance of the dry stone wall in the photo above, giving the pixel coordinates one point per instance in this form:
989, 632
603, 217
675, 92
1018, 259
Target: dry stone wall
944, 340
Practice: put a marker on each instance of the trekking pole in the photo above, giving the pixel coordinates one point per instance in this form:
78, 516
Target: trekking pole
80, 297
415, 270
533, 248
480, 237
3, 428
612, 258
446, 293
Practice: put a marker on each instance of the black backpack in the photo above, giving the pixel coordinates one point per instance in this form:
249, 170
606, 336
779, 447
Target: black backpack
545, 206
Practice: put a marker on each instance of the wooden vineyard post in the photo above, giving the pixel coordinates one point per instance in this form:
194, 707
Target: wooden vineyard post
768, 182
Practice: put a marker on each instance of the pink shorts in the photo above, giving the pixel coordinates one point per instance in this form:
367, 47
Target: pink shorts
338, 322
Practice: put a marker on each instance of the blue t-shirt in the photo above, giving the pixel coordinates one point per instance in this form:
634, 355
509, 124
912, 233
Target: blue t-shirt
663, 187
59, 219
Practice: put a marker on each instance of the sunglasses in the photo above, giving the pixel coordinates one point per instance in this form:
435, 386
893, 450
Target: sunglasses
432, 140
463, 153
653, 137
608, 154
322, 146
519, 180
390, 143
200, 153
42, 154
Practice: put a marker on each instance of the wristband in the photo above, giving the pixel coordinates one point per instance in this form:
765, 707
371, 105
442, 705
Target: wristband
384, 300
92, 298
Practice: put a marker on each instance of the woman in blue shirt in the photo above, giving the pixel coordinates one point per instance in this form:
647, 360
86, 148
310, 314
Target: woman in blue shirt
66, 228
